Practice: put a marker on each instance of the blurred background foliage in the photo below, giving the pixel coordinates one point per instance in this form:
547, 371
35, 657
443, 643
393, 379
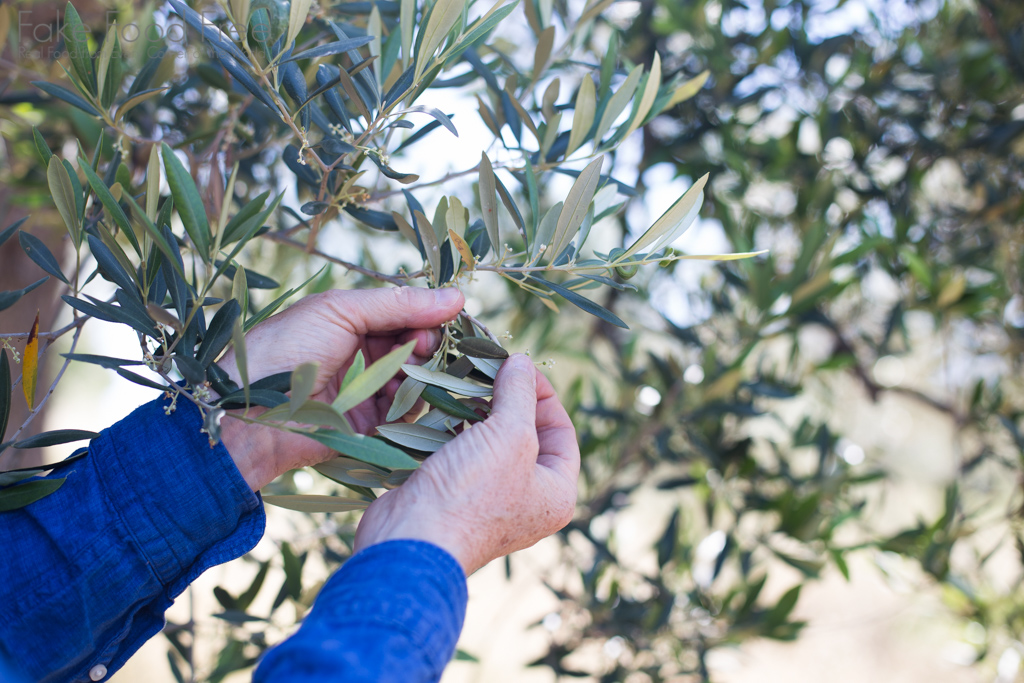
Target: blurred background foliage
875, 149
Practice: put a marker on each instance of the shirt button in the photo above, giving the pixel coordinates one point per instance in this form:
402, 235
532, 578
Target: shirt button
97, 672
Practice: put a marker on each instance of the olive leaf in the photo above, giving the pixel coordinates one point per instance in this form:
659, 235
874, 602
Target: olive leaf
430, 245
415, 436
582, 302
188, 202
647, 98
349, 471
545, 232
40, 254
55, 438
446, 381
354, 370
617, 104
76, 38
405, 398
310, 503
437, 114
443, 16
479, 347
407, 22
11, 297
373, 378
436, 419
310, 413
20, 495
673, 222
64, 197
30, 365
219, 333
439, 398
575, 208
112, 207
272, 307
408, 232
583, 115
136, 100
688, 89
366, 449
334, 48
303, 379
397, 478
489, 201
297, 14
67, 96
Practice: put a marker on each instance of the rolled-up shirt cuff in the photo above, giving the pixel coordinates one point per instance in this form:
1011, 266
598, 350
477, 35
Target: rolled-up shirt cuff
182, 499
392, 613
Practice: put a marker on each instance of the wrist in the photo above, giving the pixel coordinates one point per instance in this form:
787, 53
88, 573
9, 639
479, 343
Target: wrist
430, 531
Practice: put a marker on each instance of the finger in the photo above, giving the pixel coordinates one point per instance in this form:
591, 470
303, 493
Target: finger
559, 449
515, 393
427, 341
378, 347
390, 309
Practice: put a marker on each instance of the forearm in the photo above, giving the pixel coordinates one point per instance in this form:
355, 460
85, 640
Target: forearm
392, 613
90, 569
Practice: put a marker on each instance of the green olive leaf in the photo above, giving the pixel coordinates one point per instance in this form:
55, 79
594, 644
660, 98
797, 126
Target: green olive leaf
20, 495
489, 202
405, 398
373, 378
303, 379
446, 381
575, 208
366, 449
673, 222
479, 347
618, 103
583, 115
310, 503
415, 436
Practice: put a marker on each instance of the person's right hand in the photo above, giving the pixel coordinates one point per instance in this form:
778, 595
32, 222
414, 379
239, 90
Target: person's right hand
500, 486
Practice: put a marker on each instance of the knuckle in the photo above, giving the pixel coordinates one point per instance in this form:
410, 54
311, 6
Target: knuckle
527, 437
401, 297
519, 434
330, 295
560, 516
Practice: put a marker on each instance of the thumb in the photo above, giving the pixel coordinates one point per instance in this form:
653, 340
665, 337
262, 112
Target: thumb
389, 309
515, 392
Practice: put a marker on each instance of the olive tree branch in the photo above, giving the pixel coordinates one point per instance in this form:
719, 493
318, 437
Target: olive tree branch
393, 279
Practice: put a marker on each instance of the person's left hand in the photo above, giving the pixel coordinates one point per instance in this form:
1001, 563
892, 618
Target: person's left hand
328, 329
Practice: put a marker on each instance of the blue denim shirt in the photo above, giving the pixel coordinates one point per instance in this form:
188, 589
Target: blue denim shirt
87, 572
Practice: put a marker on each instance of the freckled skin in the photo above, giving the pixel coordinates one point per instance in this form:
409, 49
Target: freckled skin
500, 486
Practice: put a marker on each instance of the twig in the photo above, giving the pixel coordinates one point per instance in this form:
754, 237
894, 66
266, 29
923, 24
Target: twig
55, 334
380, 196
479, 324
393, 279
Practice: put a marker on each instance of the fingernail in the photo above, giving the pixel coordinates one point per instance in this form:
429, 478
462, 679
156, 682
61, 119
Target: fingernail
518, 362
446, 296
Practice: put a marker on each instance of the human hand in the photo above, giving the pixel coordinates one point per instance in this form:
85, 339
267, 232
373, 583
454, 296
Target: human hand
328, 329
498, 487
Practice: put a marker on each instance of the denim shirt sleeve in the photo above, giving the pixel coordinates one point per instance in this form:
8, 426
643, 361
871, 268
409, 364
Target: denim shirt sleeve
88, 571
391, 614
